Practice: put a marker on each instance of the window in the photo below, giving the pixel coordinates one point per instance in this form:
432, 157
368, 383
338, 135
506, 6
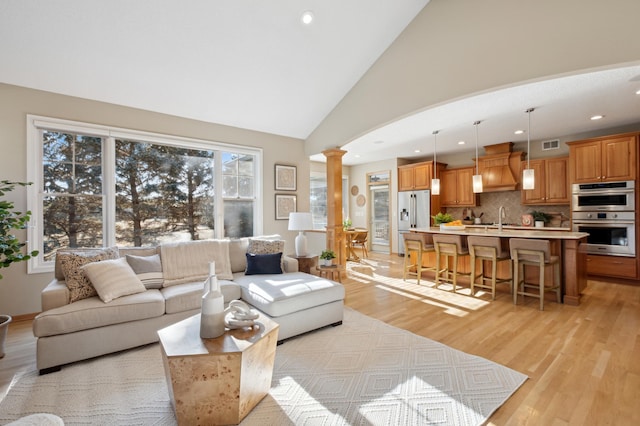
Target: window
98, 186
318, 199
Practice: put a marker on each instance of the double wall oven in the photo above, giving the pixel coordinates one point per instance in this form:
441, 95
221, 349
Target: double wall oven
606, 211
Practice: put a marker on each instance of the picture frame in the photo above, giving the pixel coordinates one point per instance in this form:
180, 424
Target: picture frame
285, 204
285, 178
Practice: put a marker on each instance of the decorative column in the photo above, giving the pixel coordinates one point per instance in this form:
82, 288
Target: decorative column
335, 232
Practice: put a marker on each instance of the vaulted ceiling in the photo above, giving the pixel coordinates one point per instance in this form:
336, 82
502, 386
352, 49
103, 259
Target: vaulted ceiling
255, 65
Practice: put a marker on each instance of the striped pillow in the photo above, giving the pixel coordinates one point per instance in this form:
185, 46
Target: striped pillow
148, 269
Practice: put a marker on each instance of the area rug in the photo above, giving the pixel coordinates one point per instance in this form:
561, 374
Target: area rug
364, 372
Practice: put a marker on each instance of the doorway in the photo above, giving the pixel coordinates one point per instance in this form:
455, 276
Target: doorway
379, 218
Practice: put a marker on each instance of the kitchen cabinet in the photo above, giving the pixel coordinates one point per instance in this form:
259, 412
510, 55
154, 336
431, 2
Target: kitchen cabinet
611, 266
551, 182
605, 159
456, 188
415, 176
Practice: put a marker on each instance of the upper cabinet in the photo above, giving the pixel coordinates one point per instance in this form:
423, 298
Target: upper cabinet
551, 182
603, 159
415, 176
456, 188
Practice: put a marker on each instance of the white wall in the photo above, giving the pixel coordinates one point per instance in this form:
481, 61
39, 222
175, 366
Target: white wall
457, 48
19, 291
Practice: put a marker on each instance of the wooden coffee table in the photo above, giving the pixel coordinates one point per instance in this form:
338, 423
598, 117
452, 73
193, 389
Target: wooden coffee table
217, 381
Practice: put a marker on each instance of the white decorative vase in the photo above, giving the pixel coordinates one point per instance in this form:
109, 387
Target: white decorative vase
326, 262
539, 224
212, 315
4, 326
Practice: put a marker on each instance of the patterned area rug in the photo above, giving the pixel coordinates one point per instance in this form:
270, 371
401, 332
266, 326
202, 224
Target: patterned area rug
363, 372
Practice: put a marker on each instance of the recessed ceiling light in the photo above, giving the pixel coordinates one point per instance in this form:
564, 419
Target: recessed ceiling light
416, 151
638, 92
597, 117
307, 17
461, 142
378, 142
357, 155
518, 132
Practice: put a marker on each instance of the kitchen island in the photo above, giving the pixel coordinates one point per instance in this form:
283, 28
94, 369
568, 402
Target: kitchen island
568, 247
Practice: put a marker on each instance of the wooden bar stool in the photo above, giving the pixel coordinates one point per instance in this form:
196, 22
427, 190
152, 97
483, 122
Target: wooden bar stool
534, 253
417, 244
488, 249
449, 246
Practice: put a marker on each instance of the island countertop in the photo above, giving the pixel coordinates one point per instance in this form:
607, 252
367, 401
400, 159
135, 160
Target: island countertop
572, 253
507, 232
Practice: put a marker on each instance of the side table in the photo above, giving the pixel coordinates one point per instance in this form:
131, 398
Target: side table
305, 263
217, 381
333, 272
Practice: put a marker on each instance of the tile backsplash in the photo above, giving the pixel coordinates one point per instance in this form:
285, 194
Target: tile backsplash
490, 202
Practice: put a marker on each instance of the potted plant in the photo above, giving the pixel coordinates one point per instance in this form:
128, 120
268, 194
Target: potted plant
327, 257
346, 224
540, 218
10, 246
441, 218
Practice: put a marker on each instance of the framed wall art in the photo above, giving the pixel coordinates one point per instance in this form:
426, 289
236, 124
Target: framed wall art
285, 204
285, 178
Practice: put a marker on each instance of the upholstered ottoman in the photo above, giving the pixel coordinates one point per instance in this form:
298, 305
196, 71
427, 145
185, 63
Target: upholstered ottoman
299, 302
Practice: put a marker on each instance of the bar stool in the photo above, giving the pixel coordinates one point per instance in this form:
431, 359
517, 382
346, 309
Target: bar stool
416, 243
488, 249
534, 253
447, 246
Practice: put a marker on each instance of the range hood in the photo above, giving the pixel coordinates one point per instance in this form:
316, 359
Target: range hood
500, 167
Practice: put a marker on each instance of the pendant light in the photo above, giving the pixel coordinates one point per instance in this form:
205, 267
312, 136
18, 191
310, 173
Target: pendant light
477, 178
435, 182
528, 177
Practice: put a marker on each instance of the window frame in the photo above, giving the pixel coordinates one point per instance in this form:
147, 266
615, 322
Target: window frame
35, 126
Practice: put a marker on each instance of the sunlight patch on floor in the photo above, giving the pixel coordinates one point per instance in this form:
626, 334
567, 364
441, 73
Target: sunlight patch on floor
458, 303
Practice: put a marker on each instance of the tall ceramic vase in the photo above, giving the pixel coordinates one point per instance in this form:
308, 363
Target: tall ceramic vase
212, 315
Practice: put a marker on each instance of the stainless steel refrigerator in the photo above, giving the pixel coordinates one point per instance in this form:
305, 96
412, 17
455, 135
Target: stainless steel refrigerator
414, 211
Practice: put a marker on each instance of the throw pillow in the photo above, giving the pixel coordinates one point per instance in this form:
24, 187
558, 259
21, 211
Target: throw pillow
264, 246
113, 279
148, 269
77, 282
258, 264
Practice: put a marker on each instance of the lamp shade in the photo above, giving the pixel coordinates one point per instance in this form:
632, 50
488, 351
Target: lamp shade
528, 179
299, 221
435, 186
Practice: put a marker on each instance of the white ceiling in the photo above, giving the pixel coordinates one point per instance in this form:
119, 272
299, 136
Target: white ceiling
243, 63
252, 64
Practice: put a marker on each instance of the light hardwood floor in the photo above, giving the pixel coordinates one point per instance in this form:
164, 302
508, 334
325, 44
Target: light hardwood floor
583, 362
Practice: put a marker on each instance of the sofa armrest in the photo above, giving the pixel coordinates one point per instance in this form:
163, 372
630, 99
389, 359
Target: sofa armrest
54, 295
290, 264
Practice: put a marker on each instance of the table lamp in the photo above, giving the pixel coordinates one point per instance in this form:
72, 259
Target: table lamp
299, 221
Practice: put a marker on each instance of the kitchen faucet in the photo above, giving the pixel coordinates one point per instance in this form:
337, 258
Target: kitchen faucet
501, 214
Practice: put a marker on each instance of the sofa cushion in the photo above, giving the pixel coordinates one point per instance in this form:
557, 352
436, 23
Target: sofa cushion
237, 250
187, 296
113, 278
188, 261
259, 264
148, 269
278, 295
93, 313
71, 263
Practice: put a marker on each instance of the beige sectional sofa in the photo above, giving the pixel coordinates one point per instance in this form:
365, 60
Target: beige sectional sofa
71, 331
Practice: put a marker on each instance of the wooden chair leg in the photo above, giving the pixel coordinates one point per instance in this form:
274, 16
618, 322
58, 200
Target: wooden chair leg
541, 286
494, 271
473, 275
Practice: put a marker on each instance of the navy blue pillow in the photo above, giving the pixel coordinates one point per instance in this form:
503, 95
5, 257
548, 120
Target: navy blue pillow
258, 264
